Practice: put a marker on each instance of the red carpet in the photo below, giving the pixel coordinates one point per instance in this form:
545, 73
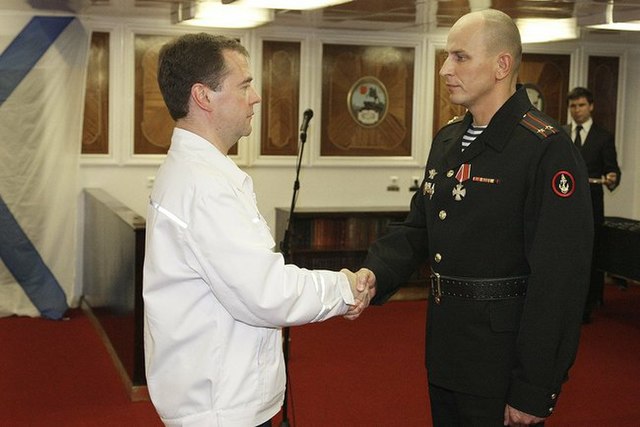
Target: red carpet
370, 372
365, 373
58, 373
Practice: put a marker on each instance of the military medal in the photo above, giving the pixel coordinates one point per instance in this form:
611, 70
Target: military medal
432, 173
463, 174
459, 192
429, 188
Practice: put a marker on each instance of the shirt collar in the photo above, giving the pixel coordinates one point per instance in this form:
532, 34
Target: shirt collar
196, 147
585, 126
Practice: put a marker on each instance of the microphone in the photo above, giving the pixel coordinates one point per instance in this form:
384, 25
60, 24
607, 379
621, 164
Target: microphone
306, 118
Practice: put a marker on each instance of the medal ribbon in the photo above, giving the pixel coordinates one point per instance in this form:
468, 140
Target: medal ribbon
464, 173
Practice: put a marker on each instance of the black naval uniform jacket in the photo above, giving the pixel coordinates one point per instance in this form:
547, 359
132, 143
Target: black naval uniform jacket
523, 210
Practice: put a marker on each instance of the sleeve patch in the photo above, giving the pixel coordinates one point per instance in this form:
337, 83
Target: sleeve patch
563, 184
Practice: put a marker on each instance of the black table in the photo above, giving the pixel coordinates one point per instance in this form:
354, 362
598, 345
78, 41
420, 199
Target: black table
620, 248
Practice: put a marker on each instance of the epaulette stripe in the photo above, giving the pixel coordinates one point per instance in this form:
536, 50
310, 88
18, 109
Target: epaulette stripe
538, 126
531, 126
545, 124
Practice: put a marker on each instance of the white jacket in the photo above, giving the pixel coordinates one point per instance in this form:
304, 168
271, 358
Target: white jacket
216, 295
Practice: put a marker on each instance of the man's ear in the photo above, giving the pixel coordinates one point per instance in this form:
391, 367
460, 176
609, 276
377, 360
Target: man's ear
201, 95
505, 65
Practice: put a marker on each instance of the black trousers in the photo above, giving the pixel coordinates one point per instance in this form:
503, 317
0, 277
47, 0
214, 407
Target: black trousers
265, 424
453, 409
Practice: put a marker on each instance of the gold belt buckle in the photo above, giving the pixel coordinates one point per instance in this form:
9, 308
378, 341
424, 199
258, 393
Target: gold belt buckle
437, 293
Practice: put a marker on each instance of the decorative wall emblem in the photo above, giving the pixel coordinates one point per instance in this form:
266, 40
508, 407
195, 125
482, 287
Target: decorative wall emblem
368, 101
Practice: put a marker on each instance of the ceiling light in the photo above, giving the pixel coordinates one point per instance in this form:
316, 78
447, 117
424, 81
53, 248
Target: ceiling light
216, 14
541, 30
288, 4
609, 16
619, 26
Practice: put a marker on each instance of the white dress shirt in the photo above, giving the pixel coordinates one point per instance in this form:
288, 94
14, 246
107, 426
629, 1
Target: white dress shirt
586, 126
216, 295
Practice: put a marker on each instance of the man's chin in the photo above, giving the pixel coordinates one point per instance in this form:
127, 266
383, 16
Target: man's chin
456, 99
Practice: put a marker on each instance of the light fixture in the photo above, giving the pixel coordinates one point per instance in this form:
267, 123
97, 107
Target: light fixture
609, 16
541, 30
218, 15
287, 4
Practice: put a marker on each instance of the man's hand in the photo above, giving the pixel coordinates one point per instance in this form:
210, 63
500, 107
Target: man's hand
363, 286
611, 180
515, 418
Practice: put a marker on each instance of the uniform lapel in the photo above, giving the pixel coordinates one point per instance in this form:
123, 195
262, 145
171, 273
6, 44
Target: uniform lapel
453, 150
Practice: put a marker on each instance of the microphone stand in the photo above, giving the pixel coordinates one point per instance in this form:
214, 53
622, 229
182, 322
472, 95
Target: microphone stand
284, 249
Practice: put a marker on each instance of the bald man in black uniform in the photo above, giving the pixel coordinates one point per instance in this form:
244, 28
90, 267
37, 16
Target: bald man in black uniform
504, 218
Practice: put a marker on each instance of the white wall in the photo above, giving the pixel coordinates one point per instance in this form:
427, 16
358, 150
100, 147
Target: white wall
625, 200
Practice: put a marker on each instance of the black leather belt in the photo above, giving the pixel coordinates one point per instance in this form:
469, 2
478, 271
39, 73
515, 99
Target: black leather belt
477, 289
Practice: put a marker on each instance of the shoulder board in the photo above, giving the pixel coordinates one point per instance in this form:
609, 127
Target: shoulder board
455, 119
537, 123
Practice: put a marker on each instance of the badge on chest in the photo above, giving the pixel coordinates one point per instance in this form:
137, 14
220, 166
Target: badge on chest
462, 176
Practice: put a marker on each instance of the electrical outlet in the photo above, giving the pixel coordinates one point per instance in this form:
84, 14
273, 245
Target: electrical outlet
394, 184
415, 183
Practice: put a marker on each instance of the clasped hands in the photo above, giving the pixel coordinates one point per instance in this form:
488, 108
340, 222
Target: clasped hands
363, 287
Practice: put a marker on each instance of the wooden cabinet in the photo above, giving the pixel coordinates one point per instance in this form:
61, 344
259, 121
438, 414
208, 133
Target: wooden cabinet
112, 275
335, 238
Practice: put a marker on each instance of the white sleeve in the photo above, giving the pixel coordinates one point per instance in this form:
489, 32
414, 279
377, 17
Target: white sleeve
232, 246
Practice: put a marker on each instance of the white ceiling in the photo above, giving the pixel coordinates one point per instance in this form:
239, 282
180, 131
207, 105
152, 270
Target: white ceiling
395, 15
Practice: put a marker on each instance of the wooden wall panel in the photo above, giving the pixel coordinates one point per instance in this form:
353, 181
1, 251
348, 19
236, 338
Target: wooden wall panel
343, 67
95, 126
153, 124
280, 98
602, 79
550, 74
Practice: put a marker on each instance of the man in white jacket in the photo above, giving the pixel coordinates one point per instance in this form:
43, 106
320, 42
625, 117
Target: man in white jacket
215, 293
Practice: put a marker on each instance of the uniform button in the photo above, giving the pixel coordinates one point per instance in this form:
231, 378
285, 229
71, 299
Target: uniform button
450, 173
553, 396
550, 410
442, 214
437, 257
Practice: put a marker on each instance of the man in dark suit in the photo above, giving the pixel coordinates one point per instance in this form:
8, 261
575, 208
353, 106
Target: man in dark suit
503, 216
598, 150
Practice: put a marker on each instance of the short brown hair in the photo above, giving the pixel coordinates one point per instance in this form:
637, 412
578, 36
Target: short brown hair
191, 59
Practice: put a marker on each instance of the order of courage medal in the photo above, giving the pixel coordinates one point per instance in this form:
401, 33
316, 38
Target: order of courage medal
463, 174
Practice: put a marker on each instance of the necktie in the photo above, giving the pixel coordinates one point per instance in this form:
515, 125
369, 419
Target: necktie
578, 140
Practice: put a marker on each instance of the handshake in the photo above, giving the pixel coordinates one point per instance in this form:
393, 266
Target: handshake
363, 286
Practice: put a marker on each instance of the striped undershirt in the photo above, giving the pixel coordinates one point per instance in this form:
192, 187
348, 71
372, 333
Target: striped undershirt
471, 134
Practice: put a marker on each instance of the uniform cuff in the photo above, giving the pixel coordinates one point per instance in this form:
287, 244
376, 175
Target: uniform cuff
532, 399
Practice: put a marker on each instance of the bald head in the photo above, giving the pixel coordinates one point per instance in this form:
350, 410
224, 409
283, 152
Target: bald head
498, 31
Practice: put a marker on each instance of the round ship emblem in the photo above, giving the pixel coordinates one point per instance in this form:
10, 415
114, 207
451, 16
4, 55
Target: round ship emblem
368, 101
